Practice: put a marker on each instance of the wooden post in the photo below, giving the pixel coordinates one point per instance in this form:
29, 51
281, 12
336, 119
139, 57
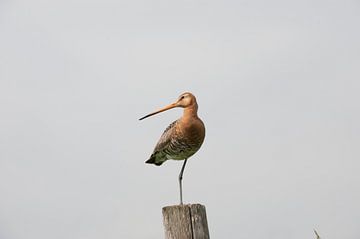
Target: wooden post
185, 222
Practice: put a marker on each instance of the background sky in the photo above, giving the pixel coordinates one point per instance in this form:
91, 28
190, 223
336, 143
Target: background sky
277, 84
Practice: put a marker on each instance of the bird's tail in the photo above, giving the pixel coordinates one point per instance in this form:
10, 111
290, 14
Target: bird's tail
154, 160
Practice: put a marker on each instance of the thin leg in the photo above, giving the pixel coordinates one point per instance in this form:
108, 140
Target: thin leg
180, 179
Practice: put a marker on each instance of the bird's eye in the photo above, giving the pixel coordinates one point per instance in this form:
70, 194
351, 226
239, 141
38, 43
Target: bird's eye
182, 97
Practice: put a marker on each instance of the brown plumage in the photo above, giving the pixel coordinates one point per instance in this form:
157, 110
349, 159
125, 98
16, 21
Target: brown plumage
182, 138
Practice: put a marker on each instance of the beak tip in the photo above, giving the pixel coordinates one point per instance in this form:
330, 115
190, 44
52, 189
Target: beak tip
144, 117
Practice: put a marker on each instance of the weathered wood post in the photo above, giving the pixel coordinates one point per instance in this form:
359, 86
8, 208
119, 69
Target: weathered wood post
185, 222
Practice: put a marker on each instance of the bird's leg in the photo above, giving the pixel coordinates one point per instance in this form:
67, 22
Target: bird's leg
180, 180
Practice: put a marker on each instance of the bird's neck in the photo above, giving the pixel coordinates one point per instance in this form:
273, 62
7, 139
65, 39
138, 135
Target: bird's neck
190, 112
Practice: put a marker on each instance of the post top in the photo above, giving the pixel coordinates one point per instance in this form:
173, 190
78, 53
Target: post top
195, 205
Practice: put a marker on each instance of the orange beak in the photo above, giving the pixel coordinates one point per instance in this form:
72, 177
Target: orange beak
173, 105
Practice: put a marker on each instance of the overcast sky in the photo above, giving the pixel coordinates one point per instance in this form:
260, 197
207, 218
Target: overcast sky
277, 84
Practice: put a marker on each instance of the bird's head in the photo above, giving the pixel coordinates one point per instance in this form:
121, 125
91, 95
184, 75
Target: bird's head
185, 100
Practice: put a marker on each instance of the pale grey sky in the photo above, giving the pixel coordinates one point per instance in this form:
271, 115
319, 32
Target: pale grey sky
277, 84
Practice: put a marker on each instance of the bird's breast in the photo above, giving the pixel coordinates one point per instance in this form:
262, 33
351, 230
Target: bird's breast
185, 139
191, 134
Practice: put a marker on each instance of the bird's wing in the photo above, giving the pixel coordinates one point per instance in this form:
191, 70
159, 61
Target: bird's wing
159, 154
166, 137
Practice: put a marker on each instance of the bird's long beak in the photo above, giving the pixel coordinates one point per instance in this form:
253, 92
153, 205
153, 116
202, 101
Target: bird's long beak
173, 105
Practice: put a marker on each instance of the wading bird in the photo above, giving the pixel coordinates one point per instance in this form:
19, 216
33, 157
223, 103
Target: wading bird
182, 138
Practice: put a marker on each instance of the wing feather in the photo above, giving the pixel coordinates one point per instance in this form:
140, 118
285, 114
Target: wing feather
159, 154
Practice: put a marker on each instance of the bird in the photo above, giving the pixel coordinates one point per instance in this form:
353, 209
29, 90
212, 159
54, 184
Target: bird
182, 138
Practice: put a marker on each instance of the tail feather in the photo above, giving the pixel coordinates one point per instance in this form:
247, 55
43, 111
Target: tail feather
153, 160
